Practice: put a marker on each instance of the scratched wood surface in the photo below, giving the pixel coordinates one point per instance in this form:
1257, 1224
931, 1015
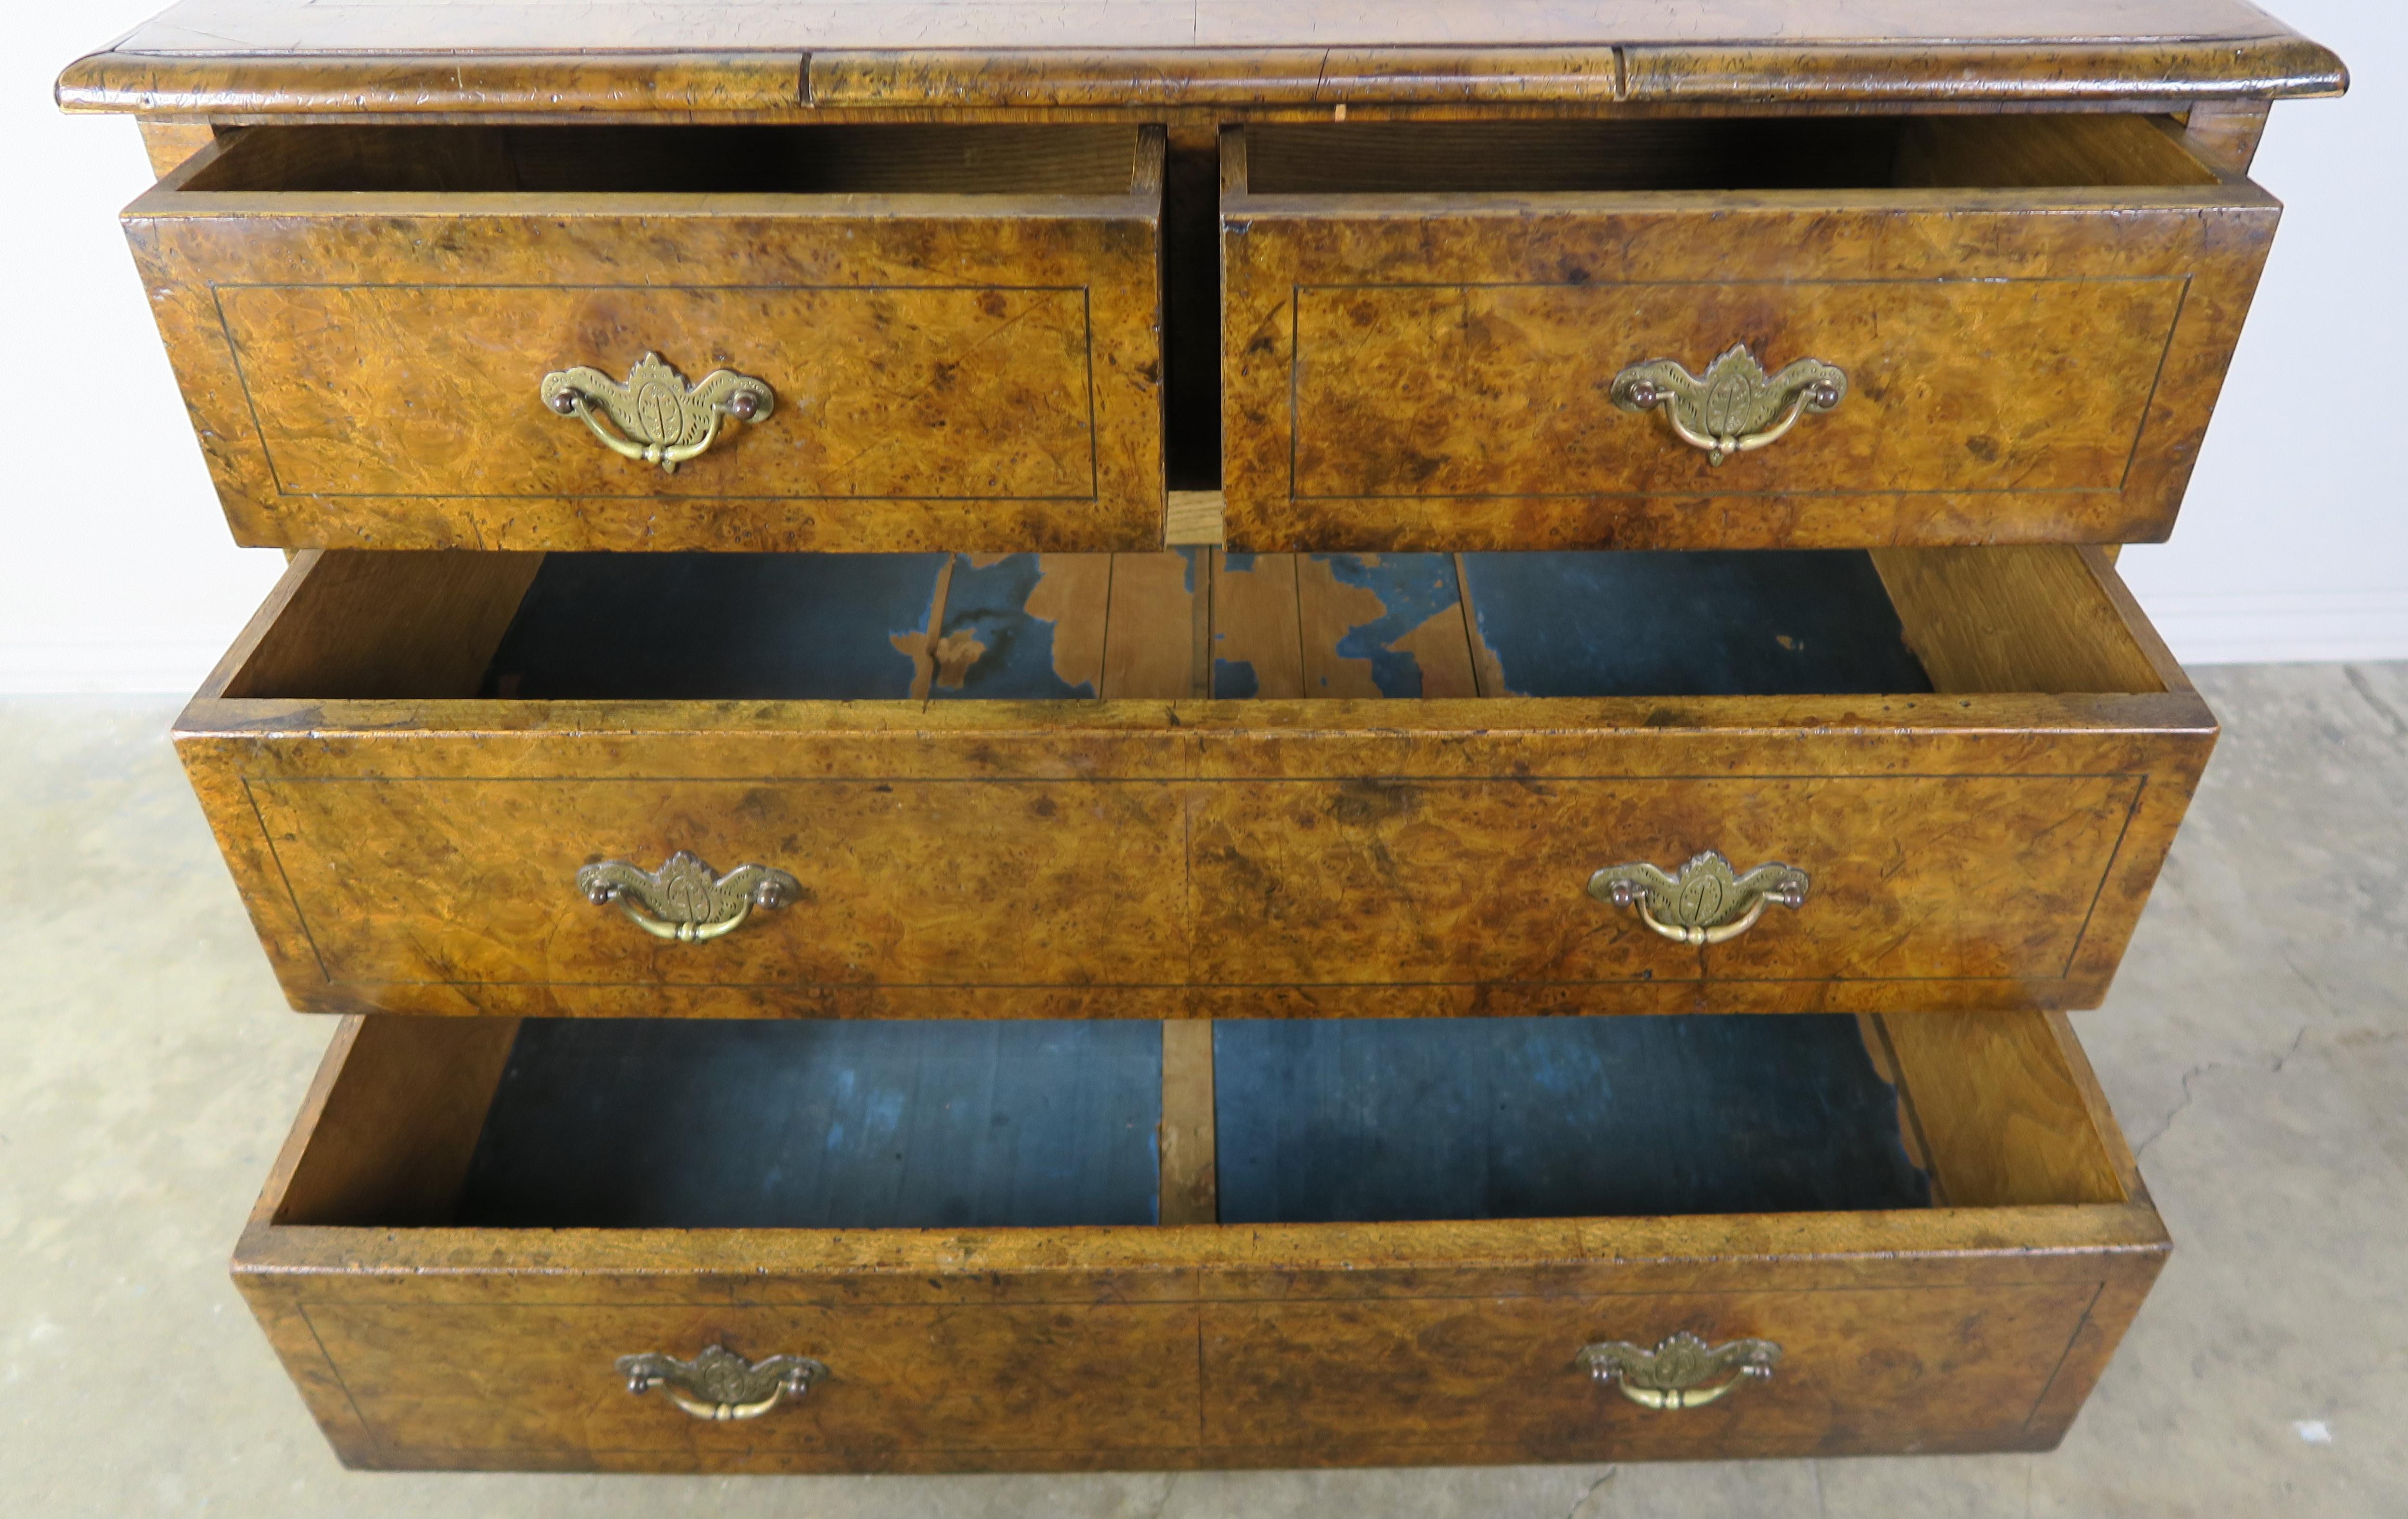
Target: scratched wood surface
956, 366
1404, 370
1972, 1327
234, 55
1021, 814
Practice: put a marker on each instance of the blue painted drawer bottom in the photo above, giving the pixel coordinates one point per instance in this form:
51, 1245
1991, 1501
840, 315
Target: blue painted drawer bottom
635, 1124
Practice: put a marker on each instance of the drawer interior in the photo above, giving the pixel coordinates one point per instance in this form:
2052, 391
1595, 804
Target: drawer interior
1975, 152
913, 158
820, 1125
1565, 624
662, 1124
737, 626
1325, 1122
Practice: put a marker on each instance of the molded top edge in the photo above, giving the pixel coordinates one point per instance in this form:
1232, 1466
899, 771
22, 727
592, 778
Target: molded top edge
267, 57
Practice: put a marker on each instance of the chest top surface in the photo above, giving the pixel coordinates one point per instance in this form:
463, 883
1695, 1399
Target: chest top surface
336, 26
260, 56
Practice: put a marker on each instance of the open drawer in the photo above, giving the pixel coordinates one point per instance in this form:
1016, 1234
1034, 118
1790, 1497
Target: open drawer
849, 337
1849, 331
993, 1246
1179, 785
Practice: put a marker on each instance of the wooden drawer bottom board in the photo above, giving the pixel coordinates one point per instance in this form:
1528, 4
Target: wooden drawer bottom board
1977, 1323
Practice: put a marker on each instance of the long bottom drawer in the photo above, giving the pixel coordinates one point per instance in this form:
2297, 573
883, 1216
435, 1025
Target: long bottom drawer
1077, 1246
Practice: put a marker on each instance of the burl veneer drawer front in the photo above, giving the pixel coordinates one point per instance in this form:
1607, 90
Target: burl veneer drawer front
663, 337
1870, 1368
863, 1246
1734, 333
527, 1382
1161, 786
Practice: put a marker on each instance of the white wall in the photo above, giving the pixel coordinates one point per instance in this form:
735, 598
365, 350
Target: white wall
116, 573
2293, 542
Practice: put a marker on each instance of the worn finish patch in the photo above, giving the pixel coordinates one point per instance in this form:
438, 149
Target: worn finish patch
1255, 642
1383, 625
717, 626
1003, 627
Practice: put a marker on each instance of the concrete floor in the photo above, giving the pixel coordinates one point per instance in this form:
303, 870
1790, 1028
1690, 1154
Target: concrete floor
2256, 1049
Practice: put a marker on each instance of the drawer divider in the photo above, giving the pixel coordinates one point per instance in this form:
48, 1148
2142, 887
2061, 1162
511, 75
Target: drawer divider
1189, 1142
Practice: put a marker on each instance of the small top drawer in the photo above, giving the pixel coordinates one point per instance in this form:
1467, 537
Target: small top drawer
855, 337
1738, 334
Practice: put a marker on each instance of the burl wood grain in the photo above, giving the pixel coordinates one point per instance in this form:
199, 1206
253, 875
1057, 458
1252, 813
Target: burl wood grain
953, 371
454, 55
1174, 856
1980, 1327
908, 394
908, 1386
1471, 883
1409, 372
907, 882
1861, 1370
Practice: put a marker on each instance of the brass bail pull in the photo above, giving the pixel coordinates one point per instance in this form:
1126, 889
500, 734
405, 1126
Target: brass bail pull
1733, 408
655, 416
687, 900
718, 1384
1683, 1372
1705, 901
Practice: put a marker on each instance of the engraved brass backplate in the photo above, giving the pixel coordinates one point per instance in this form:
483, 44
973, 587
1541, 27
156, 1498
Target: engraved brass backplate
657, 416
1706, 902
686, 900
1734, 406
719, 1384
1683, 1372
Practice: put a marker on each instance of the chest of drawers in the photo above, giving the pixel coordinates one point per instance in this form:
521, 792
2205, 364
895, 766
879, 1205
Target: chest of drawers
964, 694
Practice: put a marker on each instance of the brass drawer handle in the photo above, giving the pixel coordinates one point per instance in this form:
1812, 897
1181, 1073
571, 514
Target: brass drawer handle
686, 900
659, 418
1706, 902
1734, 406
720, 1385
1683, 1372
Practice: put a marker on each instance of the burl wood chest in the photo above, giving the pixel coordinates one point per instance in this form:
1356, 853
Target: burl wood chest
988, 714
